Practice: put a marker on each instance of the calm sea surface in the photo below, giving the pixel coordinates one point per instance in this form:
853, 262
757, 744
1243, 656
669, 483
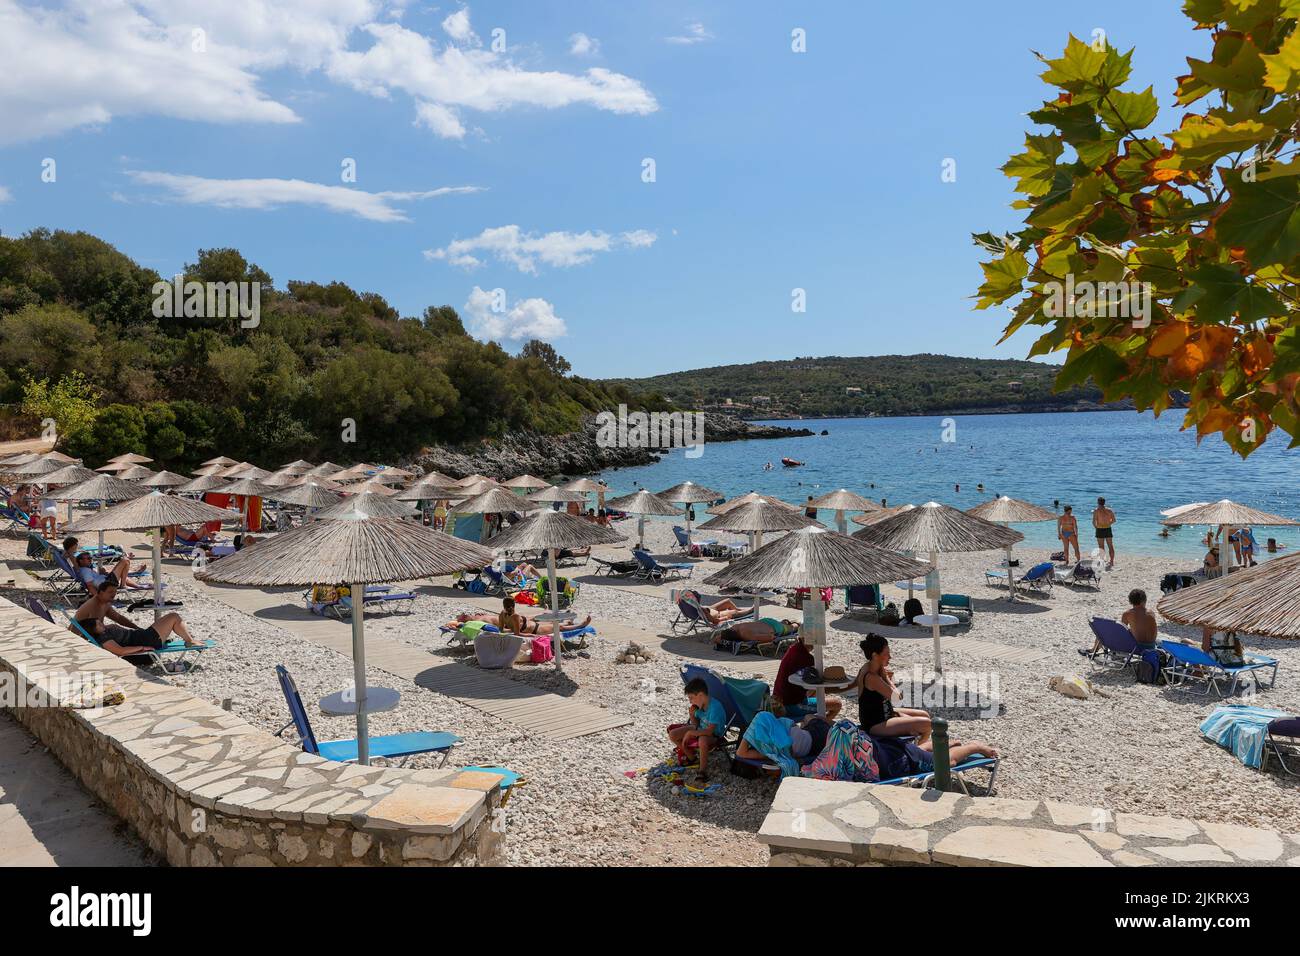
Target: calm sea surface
1140, 464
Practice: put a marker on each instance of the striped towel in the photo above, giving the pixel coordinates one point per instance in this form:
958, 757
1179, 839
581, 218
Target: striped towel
1241, 729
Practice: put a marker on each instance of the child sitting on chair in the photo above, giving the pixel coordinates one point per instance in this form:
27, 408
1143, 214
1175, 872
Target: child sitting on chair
705, 727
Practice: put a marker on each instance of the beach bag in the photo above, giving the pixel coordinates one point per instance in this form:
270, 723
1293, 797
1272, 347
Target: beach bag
477, 586
1174, 582
542, 651
1151, 666
911, 608
889, 615
1057, 556
526, 597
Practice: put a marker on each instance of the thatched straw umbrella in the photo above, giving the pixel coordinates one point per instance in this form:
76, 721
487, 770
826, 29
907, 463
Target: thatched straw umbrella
131, 459
205, 471
872, 517
1229, 516
525, 483
587, 486
813, 557
21, 458
248, 471
34, 468
101, 488
555, 494
724, 507
153, 511
245, 488
220, 461
937, 529
61, 458
355, 549
309, 495
370, 486
325, 469
554, 531
136, 473
642, 503
357, 472
1263, 600
689, 493
1008, 511
376, 506
298, 466
67, 475
115, 467
495, 500
756, 517
165, 479
841, 501
197, 486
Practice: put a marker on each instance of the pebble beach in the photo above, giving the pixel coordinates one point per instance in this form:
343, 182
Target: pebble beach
589, 801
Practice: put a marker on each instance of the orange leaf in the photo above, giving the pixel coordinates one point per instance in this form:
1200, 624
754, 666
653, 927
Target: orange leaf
1168, 339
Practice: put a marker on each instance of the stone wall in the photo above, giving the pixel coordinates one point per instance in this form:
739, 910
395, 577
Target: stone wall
204, 788
819, 823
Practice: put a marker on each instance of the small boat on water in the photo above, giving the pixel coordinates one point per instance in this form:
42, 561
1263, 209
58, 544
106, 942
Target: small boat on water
791, 463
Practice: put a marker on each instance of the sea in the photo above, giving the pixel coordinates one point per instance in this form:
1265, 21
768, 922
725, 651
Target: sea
1142, 465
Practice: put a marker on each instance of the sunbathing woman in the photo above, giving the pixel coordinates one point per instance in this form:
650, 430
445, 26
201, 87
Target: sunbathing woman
723, 610
878, 715
763, 631
513, 623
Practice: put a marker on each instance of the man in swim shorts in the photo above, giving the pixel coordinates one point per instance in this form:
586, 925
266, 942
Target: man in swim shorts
1102, 519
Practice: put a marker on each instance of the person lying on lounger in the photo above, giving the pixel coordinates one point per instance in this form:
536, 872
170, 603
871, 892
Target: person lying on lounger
763, 631
879, 715
124, 637
513, 623
720, 611
807, 739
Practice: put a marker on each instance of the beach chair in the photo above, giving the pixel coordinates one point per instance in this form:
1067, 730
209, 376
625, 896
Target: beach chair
1039, 578
38, 608
864, 597
688, 546
334, 603
1118, 650
652, 570
1191, 665
691, 617
173, 657
614, 569
1283, 745
957, 604
16, 519
737, 719
1082, 573
572, 557
498, 585
567, 591
388, 746
958, 772
40, 550
996, 577
1243, 730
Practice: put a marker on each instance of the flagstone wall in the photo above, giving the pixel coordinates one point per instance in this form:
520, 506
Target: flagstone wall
205, 788
821, 823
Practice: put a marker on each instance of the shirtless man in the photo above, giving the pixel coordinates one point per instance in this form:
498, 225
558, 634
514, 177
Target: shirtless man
124, 637
1102, 519
1067, 529
1141, 623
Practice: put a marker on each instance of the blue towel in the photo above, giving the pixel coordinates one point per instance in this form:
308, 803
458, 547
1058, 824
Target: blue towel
1241, 729
770, 736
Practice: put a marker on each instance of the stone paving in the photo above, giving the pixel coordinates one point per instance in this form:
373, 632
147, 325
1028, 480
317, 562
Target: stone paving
824, 823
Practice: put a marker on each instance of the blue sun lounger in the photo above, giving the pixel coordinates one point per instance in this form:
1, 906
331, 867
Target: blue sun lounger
18, 519
175, 656
691, 617
1191, 664
345, 751
1118, 649
574, 638
652, 570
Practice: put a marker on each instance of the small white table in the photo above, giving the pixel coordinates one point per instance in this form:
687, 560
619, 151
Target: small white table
927, 620
821, 689
343, 703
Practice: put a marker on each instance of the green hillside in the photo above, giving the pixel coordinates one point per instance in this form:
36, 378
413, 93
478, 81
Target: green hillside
867, 385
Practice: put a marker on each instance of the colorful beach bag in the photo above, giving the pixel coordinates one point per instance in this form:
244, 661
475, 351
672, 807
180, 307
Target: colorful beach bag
541, 649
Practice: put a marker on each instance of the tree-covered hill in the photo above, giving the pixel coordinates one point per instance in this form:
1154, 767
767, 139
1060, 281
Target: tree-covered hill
80, 343
869, 385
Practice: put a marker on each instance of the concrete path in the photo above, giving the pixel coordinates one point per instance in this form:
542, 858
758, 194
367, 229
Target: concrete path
47, 819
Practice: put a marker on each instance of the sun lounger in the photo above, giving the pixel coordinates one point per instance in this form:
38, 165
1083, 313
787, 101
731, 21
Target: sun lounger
614, 569
1039, 578
958, 772
996, 577
509, 779
691, 617
1118, 648
1082, 573
864, 597
1192, 665
378, 597
18, 520
174, 656
345, 751
1243, 730
957, 603
688, 546
652, 570
573, 638
567, 591
1283, 745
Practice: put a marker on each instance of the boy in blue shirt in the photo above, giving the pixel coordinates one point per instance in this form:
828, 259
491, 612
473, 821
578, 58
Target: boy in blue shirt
706, 726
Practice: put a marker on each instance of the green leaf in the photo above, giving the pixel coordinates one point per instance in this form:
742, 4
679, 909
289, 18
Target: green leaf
1202, 140
1077, 123
1235, 65
1002, 278
1098, 363
1286, 355
1227, 293
1128, 112
1035, 168
1080, 204
1263, 218
1282, 69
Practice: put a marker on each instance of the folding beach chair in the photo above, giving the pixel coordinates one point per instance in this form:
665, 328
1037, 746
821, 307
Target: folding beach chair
1039, 578
1192, 665
1083, 573
691, 617
957, 604
864, 597
345, 751
1283, 744
958, 772
736, 718
567, 591
689, 546
1118, 649
652, 570
17, 519
614, 569
173, 657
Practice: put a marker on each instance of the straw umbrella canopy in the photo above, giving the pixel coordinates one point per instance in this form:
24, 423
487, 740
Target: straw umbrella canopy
689, 493
101, 488
324, 469
525, 483
204, 471
285, 476
1006, 511
841, 501
756, 517
495, 500
136, 473
246, 488
394, 471
1263, 600
375, 505
555, 493
369, 487
20, 458
221, 461
248, 471
298, 465
165, 479
355, 549
937, 529
61, 458
200, 484
67, 475
429, 490
814, 557
355, 472
1228, 515
724, 507
115, 467
35, 468
131, 458
309, 495
642, 503
873, 517
554, 531
152, 511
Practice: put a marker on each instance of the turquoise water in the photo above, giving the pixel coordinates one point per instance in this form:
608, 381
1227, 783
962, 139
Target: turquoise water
1140, 464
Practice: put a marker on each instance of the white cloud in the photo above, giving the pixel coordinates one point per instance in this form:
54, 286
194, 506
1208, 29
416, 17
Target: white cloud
88, 61
695, 33
5, 194
493, 319
524, 251
272, 193
582, 45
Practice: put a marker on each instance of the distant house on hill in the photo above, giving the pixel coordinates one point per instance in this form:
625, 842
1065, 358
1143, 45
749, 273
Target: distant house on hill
1014, 386
762, 400
852, 390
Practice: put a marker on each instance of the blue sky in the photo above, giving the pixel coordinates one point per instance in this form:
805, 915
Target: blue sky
774, 170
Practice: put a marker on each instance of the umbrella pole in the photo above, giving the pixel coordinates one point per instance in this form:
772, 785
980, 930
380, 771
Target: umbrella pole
841, 522
359, 672
557, 641
640, 531
934, 611
818, 657
1011, 577
157, 573
101, 534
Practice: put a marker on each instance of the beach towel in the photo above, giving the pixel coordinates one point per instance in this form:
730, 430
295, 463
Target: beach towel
1241, 729
770, 736
848, 756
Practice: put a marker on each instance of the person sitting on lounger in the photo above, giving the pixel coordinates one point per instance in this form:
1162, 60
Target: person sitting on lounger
124, 637
879, 715
1224, 646
94, 578
1141, 623
511, 622
765, 630
705, 728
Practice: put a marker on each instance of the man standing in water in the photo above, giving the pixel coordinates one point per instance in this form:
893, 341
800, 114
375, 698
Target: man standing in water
1102, 519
